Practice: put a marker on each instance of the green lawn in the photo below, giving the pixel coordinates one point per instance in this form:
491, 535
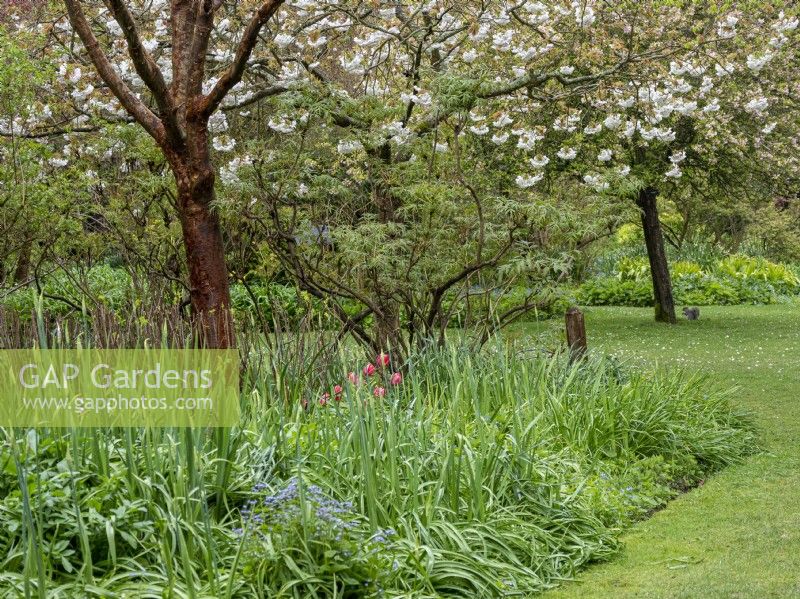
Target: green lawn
739, 534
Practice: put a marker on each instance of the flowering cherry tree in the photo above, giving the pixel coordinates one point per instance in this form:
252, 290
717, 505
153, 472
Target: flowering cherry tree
410, 157
183, 103
698, 104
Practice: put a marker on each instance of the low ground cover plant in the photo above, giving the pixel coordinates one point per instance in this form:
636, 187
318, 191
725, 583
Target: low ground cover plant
465, 474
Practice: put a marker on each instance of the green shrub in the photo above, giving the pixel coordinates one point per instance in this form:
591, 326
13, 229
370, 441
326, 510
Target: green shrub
271, 301
731, 281
111, 287
613, 292
683, 268
745, 268
632, 269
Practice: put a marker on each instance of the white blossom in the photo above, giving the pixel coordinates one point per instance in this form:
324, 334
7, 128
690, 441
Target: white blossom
664, 135
317, 42
785, 23
470, 56
613, 121
539, 161
229, 174
756, 63
218, 123
757, 106
282, 125
727, 28
223, 143
585, 16
596, 181
674, 173
678, 157
500, 138
567, 153
349, 146
114, 28
539, 12
685, 108
723, 70
605, 155
502, 121
502, 41
626, 102
353, 65
527, 139
526, 181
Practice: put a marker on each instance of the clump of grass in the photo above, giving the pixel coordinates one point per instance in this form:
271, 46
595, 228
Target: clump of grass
498, 474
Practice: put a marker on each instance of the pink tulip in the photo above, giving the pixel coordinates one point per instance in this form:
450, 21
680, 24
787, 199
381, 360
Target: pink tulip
369, 370
382, 359
323, 401
396, 379
379, 392
353, 378
337, 393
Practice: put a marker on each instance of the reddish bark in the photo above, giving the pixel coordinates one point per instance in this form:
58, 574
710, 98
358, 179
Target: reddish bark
180, 127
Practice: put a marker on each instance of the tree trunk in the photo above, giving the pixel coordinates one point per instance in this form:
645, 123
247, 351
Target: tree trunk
388, 336
659, 268
205, 255
23, 270
576, 334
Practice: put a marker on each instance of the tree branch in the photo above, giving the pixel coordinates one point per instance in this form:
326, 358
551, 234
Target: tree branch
146, 67
234, 73
135, 107
204, 22
267, 92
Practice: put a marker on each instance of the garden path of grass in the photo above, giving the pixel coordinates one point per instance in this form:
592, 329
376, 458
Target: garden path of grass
739, 534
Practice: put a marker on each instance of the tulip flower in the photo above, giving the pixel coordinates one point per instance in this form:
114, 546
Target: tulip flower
396, 379
379, 392
353, 378
369, 370
382, 359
